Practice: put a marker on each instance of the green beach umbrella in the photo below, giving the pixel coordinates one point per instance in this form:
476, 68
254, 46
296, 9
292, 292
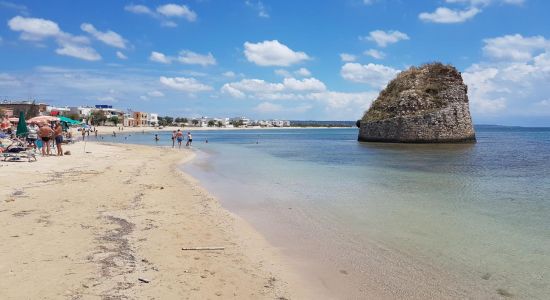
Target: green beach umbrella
68, 120
22, 129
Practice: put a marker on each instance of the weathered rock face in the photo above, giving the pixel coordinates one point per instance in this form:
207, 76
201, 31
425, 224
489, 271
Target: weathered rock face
428, 104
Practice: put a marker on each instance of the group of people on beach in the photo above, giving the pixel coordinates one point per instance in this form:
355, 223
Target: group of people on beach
43, 136
178, 136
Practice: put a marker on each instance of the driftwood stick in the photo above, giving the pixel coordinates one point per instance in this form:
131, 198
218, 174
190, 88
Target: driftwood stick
203, 248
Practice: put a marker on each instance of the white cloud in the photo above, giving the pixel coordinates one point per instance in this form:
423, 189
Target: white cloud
375, 54
159, 57
268, 107
165, 13
385, 38
121, 55
192, 58
374, 75
307, 84
515, 47
272, 53
259, 7
346, 57
155, 94
515, 81
82, 52
447, 15
355, 101
303, 72
232, 91
175, 10
282, 73
36, 29
139, 9
108, 37
229, 74
188, 85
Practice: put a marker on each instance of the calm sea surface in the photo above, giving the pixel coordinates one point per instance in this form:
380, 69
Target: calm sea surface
461, 219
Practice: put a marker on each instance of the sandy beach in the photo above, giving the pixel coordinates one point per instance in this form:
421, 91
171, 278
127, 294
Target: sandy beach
111, 222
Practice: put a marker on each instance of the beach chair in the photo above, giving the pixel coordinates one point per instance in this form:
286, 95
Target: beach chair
19, 156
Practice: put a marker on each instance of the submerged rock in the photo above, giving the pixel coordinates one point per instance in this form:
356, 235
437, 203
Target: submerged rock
426, 104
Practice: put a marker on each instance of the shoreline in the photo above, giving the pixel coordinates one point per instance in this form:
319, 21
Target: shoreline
105, 130
102, 223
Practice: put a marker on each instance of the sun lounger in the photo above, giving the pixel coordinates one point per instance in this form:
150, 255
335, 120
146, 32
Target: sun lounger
29, 155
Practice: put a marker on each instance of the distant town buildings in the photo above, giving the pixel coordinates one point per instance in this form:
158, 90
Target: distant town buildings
108, 115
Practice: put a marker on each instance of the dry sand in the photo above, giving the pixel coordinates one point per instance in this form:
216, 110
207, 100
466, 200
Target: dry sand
111, 223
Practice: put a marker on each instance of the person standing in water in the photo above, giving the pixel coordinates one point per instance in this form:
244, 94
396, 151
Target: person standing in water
179, 137
189, 139
173, 139
156, 138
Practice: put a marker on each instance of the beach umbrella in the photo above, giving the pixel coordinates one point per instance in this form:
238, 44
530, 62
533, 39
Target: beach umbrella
43, 119
22, 129
68, 120
13, 120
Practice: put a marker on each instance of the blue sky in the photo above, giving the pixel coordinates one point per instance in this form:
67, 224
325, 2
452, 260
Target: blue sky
324, 60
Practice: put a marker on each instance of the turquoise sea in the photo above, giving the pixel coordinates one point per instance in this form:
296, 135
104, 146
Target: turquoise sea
404, 221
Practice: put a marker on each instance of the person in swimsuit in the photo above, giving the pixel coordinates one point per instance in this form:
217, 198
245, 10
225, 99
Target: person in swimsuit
173, 139
189, 139
58, 138
45, 133
156, 138
179, 137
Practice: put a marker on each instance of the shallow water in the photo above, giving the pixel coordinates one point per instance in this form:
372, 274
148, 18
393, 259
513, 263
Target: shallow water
476, 217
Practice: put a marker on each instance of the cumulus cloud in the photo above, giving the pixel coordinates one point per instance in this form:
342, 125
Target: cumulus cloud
188, 85
346, 57
192, 58
121, 55
36, 29
307, 84
159, 57
165, 13
374, 75
82, 52
385, 38
516, 79
272, 53
515, 47
108, 37
139, 9
175, 10
375, 54
303, 72
447, 15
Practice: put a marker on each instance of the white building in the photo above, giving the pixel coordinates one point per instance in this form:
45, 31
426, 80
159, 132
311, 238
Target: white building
245, 121
153, 119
